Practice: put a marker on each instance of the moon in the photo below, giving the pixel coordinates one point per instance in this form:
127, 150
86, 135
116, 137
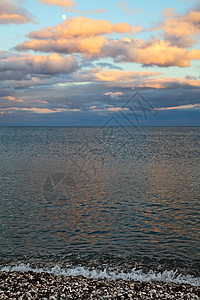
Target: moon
64, 17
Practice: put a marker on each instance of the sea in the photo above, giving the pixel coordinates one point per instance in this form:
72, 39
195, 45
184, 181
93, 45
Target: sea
101, 202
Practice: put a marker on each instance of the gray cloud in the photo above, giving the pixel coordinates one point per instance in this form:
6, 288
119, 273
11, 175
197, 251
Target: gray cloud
22, 67
109, 66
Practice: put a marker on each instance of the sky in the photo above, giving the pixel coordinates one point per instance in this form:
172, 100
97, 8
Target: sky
91, 63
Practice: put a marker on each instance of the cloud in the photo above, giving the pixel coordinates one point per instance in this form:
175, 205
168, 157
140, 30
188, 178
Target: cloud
81, 27
108, 109
39, 110
149, 53
169, 12
8, 109
133, 79
87, 37
114, 109
165, 82
47, 110
124, 6
109, 66
86, 12
182, 30
181, 107
11, 98
88, 102
88, 46
76, 35
18, 67
114, 95
10, 13
113, 75
61, 3
155, 52
25, 70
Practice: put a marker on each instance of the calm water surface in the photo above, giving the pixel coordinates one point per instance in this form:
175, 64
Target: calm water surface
101, 201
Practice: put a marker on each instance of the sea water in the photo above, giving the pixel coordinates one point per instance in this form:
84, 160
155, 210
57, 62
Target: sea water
102, 202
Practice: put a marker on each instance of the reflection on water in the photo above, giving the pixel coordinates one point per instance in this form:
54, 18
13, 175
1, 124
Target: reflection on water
70, 190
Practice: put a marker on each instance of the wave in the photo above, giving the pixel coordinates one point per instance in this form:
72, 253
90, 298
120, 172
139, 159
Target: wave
106, 273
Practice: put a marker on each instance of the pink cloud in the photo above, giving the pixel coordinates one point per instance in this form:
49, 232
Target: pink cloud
44, 110
62, 3
124, 6
10, 13
181, 107
114, 76
86, 36
11, 98
88, 46
39, 110
133, 79
154, 52
114, 109
182, 30
82, 27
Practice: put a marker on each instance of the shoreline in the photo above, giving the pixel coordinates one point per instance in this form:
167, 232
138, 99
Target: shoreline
33, 285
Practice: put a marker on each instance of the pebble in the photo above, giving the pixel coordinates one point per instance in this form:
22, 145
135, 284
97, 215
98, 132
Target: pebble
33, 286
152, 292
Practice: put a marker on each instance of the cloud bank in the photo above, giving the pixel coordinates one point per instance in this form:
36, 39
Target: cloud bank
93, 39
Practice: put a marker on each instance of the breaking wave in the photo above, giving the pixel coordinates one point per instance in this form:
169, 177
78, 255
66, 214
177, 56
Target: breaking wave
109, 274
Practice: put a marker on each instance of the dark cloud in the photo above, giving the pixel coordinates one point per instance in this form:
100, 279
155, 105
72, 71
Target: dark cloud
93, 107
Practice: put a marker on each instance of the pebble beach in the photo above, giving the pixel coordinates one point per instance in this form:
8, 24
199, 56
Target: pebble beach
30, 285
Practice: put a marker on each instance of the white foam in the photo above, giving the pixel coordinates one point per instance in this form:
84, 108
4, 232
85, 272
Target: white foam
135, 274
